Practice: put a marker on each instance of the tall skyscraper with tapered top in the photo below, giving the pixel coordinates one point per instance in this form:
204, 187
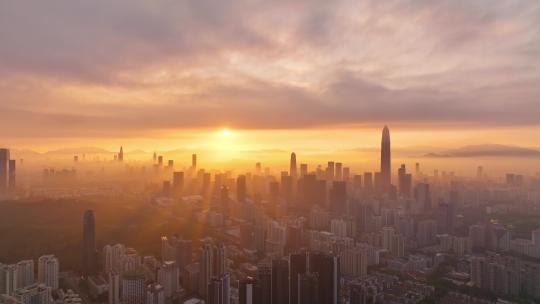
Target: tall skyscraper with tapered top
121, 154
293, 172
89, 264
385, 160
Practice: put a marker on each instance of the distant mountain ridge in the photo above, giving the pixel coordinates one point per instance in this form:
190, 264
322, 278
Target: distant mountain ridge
487, 150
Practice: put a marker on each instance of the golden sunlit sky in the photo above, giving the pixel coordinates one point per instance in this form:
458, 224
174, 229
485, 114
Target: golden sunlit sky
260, 75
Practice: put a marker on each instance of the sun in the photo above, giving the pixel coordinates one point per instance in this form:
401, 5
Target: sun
225, 132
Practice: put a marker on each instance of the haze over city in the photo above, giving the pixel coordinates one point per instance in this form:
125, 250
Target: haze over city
269, 152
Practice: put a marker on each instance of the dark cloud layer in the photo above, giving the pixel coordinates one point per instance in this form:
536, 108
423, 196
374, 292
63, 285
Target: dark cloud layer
115, 68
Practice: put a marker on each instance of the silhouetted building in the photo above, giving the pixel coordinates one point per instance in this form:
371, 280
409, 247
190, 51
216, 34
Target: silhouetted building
194, 161
219, 290
293, 167
404, 182
246, 291
4, 167
12, 174
328, 269
386, 172
264, 280
297, 266
89, 263
241, 188
121, 154
280, 281
178, 182
338, 197
309, 290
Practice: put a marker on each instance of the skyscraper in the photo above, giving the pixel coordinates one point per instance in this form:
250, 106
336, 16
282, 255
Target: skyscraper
121, 154
89, 244
280, 281
246, 290
297, 266
4, 165
292, 171
11, 175
328, 269
48, 268
241, 188
194, 161
385, 160
219, 290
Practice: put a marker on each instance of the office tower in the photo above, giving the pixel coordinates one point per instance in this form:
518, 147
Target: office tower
338, 197
330, 171
160, 160
121, 154
219, 290
25, 273
328, 269
385, 160
8, 279
263, 293
4, 167
168, 277
34, 294
48, 267
114, 256
89, 264
170, 164
297, 266
241, 188
293, 168
280, 281
309, 290
339, 171
368, 182
177, 249
178, 182
303, 170
133, 287
417, 170
166, 191
12, 175
286, 187
246, 291
212, 263
404, 182
387, 237
155, 294
194, 161
346, 173
114, 288
154, 157
422, 199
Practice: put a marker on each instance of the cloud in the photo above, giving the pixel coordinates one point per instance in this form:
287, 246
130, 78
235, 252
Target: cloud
102, 68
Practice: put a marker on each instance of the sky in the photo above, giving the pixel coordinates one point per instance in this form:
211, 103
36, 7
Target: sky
281, 74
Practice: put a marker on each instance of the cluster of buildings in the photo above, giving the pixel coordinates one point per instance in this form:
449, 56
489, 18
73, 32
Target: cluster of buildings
325, 235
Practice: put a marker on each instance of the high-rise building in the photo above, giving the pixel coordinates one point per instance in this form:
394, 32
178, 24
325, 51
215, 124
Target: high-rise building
12, 174
297, 266
241, 188
328, 269
194, 161
368, 182
303, 170
133, 288
4, 167
114, 288
48, 267
155, 294
219, 290
25, 273
178, 182
8, 279
339, 171
309, 290
263, 293
168, 276
280, 281
246, 290
121, 154
386, 172
89, 264
404, 182
212, 263
293, 167
114, 256
330, 171
338, 197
